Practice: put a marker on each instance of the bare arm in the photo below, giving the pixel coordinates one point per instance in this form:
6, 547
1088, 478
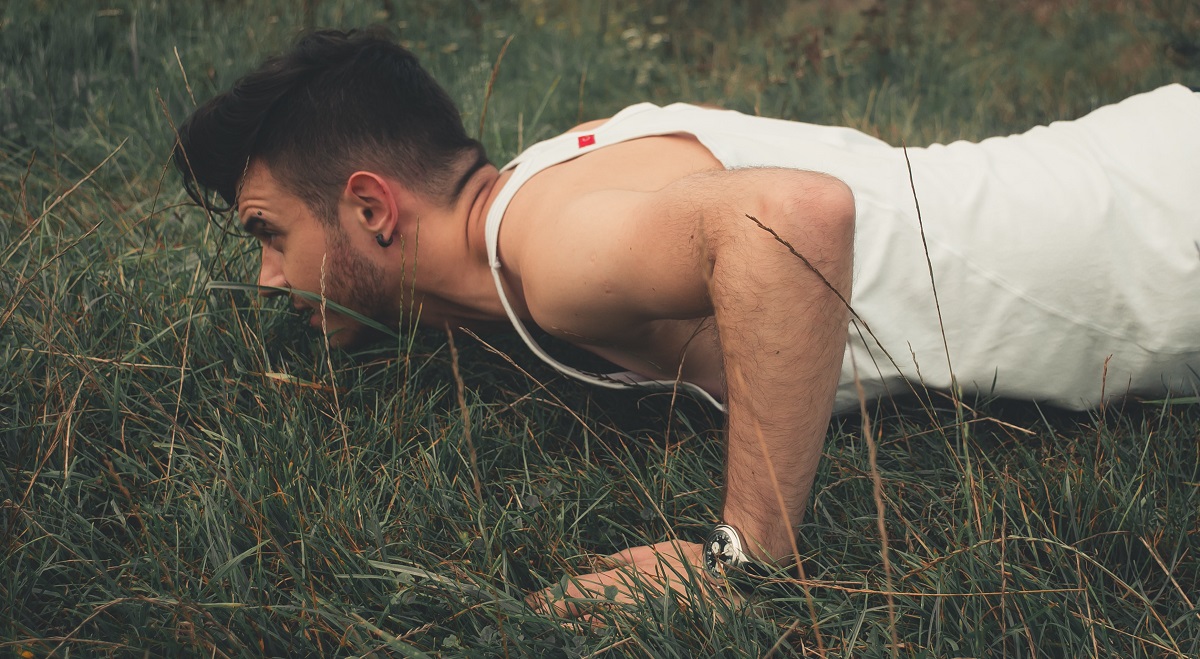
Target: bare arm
690, 250
782, 333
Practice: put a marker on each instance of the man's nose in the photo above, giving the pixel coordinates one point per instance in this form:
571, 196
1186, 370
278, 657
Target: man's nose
270, 272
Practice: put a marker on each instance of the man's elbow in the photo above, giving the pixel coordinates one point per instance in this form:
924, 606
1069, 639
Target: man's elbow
844, 199
828, 203
820, 212
809, 214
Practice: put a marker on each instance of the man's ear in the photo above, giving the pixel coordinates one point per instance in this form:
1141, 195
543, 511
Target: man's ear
373, 203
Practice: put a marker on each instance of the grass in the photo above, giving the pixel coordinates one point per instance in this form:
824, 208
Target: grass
187, 472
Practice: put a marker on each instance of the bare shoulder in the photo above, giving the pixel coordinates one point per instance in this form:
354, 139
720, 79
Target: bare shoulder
589, 125
622, 237
588, 229
622, 257
610, 261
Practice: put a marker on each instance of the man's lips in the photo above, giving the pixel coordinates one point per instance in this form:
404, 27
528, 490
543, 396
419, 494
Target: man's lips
314, 318
302, 307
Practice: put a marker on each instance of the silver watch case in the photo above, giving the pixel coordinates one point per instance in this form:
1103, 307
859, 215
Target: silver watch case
724, 547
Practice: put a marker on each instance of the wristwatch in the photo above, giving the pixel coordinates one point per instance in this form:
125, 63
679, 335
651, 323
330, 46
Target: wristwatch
725, 549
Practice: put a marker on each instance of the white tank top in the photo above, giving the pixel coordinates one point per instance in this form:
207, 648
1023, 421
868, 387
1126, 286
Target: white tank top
1066, 258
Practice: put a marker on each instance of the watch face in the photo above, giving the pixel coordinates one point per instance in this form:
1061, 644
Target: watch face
720, 548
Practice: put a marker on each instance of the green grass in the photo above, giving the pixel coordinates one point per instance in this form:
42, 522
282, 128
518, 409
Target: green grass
186, 471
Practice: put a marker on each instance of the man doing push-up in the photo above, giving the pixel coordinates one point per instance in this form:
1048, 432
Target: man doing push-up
779, 269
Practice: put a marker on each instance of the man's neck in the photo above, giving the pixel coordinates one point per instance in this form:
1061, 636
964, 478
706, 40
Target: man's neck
467, 290
478, 195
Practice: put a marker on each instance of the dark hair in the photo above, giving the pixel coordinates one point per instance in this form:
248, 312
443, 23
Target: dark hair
335, 103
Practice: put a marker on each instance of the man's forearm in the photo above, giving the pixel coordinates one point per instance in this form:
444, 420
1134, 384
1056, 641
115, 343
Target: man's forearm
783, 333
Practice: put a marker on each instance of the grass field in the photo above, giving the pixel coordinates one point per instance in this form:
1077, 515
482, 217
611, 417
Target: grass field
187, 471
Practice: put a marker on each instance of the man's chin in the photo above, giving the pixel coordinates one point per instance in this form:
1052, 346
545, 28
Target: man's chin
337, 333
340, 333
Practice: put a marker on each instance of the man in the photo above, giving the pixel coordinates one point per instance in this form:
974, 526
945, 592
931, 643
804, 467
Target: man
716, 252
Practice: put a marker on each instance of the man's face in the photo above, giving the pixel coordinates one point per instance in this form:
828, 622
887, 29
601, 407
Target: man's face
303, 253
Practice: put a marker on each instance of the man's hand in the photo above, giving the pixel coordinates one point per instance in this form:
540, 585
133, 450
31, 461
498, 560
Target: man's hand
635, 574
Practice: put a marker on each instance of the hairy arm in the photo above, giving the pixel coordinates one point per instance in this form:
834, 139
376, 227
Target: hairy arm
782, 330
692, 250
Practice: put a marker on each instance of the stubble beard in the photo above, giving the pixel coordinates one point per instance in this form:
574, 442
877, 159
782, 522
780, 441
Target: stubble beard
352, 281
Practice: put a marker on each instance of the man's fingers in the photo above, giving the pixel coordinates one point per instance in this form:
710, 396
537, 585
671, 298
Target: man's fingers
639, 572
624, 558
612, 561
573, 597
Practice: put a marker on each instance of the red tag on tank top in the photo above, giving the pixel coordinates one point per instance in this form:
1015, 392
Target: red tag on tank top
586, 140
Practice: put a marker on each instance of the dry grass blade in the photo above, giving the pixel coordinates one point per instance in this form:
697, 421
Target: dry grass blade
880, 509
460, 390
26, 281
492, 83
337, 402
59, 199
1158, 559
